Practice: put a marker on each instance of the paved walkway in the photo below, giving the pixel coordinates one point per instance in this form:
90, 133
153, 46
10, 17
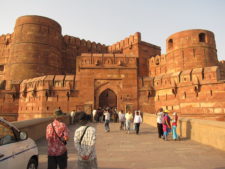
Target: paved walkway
118, 150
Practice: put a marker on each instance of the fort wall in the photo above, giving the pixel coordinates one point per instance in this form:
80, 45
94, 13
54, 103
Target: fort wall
134, 46
41, 96
99, 72
40, 70
73, 47
186, 50
196, 92
197, 130
5, 48
36, 128
36, 48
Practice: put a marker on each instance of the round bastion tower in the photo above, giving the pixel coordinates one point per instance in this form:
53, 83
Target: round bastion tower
36, 48
191, 49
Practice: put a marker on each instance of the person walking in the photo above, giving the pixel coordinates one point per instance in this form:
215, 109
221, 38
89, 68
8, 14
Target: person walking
137, 121
166, 125
115, 115
72, 116
122, 120
107, 120
57, 134
129, 118
85, 140
159, 122
94, 112
174, 126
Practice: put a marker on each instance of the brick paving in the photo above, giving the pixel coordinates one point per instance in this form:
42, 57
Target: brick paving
118, 150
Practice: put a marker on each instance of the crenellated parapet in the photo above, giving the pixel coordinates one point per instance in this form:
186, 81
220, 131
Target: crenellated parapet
191, 77
5, 49
81, 45
222, 68
126, 43
47, 85
186, 50
96, 60
6, 39
157, 65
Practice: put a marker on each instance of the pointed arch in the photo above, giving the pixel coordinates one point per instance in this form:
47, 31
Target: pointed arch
108, 98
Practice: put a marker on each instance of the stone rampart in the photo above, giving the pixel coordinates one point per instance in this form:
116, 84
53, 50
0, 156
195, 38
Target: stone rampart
203, 131
36, 128
36, 48
73, 47
5, 48
186, 50
198, 92
81, 45
40, 97
126, 43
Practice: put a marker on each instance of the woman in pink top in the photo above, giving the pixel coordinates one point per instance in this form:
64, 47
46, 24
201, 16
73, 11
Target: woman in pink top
166, 124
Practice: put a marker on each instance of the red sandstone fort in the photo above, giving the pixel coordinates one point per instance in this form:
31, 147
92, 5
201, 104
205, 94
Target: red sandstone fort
41, 69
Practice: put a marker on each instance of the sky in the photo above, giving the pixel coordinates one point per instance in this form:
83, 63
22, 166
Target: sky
109, 21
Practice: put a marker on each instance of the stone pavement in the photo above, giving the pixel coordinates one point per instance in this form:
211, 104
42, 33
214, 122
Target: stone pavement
118, 150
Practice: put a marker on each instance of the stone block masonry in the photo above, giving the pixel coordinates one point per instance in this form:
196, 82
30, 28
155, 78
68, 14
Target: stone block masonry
41, 70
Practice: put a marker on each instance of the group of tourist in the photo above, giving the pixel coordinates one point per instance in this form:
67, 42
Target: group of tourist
57, 134
164, 124
125, 120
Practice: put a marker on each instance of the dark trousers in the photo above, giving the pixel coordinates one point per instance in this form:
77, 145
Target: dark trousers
160, 130
137, 126
54, 161
107, 125
122, 125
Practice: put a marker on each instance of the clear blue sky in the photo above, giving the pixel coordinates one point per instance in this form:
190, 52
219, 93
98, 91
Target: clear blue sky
109, 21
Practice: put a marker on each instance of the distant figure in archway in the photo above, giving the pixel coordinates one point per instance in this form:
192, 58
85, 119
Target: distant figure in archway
122, 120
94, 113
107, 120
72, 116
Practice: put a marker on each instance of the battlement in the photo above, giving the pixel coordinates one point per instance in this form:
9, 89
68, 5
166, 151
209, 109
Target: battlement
222, 68
126, 43
5, 39
107, 59
197, 76
81, 43
48, 83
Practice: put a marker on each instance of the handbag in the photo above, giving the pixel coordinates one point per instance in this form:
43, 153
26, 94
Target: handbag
61, 139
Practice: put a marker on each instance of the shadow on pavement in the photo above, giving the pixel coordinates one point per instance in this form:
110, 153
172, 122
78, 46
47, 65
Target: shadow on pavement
111, 168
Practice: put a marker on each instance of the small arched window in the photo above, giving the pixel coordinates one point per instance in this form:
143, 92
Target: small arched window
201, 37
170, 44
157, 61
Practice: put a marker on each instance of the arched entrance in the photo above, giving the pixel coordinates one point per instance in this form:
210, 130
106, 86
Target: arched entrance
108, 99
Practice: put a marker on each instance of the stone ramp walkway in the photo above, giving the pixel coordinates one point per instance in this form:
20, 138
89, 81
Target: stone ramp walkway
118, 150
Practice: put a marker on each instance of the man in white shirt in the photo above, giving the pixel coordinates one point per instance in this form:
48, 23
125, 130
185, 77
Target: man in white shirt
94, 112
72, 115
137, 121
159, 122
107, 120
84, 139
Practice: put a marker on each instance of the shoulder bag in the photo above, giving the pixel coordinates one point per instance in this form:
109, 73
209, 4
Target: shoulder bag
81, 138
61, 139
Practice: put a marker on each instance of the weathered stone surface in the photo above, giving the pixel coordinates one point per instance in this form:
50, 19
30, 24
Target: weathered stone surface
40, 70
